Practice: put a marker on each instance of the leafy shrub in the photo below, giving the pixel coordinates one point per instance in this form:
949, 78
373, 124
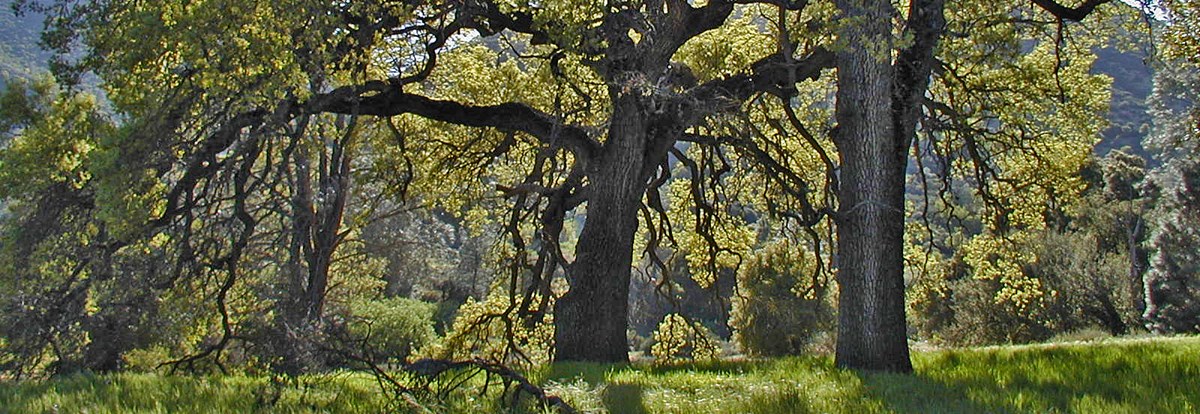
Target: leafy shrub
676, 340
1075, 286
782, 303
393, 328
490, 330
1089, 334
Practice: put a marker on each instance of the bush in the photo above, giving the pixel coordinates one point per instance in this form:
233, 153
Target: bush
1089, 334
782, 303
393, 328
491, 331
676, 340
1077, 286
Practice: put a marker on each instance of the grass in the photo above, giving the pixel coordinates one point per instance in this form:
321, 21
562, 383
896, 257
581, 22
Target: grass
151, 393
1110, 376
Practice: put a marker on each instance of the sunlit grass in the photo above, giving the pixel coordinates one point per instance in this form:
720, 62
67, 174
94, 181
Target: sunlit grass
150, 393
1158, 375
1147, 375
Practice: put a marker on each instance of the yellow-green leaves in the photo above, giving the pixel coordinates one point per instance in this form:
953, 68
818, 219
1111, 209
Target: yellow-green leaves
54, 134
676, 340
728, 49
1183, 33
483, 329
1017, 119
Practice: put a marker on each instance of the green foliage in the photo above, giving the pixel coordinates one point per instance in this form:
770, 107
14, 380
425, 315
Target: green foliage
677, 340
782, 302
392, 328
1083, 269
1182, 38
1172, 293
1021, 121
1172, 301
491, 330
965, 311
1088, 285
50, 136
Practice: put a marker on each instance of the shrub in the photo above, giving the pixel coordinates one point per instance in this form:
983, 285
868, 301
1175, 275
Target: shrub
490, 330
782, 303
1076, 286
393, 328
676, 340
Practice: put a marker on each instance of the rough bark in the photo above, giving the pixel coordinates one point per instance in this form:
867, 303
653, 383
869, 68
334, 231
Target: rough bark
316, 222
870, 220
591, 319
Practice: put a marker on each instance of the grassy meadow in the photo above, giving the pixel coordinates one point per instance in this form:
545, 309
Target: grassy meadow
1113, 376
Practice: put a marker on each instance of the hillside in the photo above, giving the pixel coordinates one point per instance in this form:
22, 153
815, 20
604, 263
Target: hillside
1132, 81
20, 55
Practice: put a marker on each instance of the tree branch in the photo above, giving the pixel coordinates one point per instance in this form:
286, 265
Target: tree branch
204, 163
775, 74
914, 65
1070, 13
509, 116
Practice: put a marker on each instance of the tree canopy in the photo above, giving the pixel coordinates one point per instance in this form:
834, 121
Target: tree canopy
252, 142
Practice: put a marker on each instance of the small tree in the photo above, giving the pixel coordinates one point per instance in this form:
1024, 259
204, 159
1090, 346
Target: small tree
1173, 283
782, 302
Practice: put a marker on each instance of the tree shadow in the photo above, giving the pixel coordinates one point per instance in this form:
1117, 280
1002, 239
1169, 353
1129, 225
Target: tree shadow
624, 398
915, 393
616, 397
1145, 378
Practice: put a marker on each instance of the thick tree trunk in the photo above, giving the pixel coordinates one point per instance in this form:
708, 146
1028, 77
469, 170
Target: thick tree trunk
590, 320
870, 221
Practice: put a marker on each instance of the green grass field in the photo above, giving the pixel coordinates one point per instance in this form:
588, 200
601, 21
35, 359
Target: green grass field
1114, 376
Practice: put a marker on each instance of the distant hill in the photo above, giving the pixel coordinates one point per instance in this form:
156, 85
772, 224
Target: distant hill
1132, 81
20, 55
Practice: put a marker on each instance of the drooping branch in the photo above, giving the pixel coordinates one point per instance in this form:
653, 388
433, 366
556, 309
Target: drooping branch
1070, 13
203, 163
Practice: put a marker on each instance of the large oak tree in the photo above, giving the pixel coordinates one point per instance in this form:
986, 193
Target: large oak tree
619, 111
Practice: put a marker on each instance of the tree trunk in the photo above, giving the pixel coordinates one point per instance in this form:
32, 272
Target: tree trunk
1137, 265
316, 225
870, 222
590, 320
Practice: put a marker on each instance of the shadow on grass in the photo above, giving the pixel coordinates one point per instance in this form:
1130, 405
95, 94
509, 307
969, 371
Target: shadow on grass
918, 394
1132, 378
624, 398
